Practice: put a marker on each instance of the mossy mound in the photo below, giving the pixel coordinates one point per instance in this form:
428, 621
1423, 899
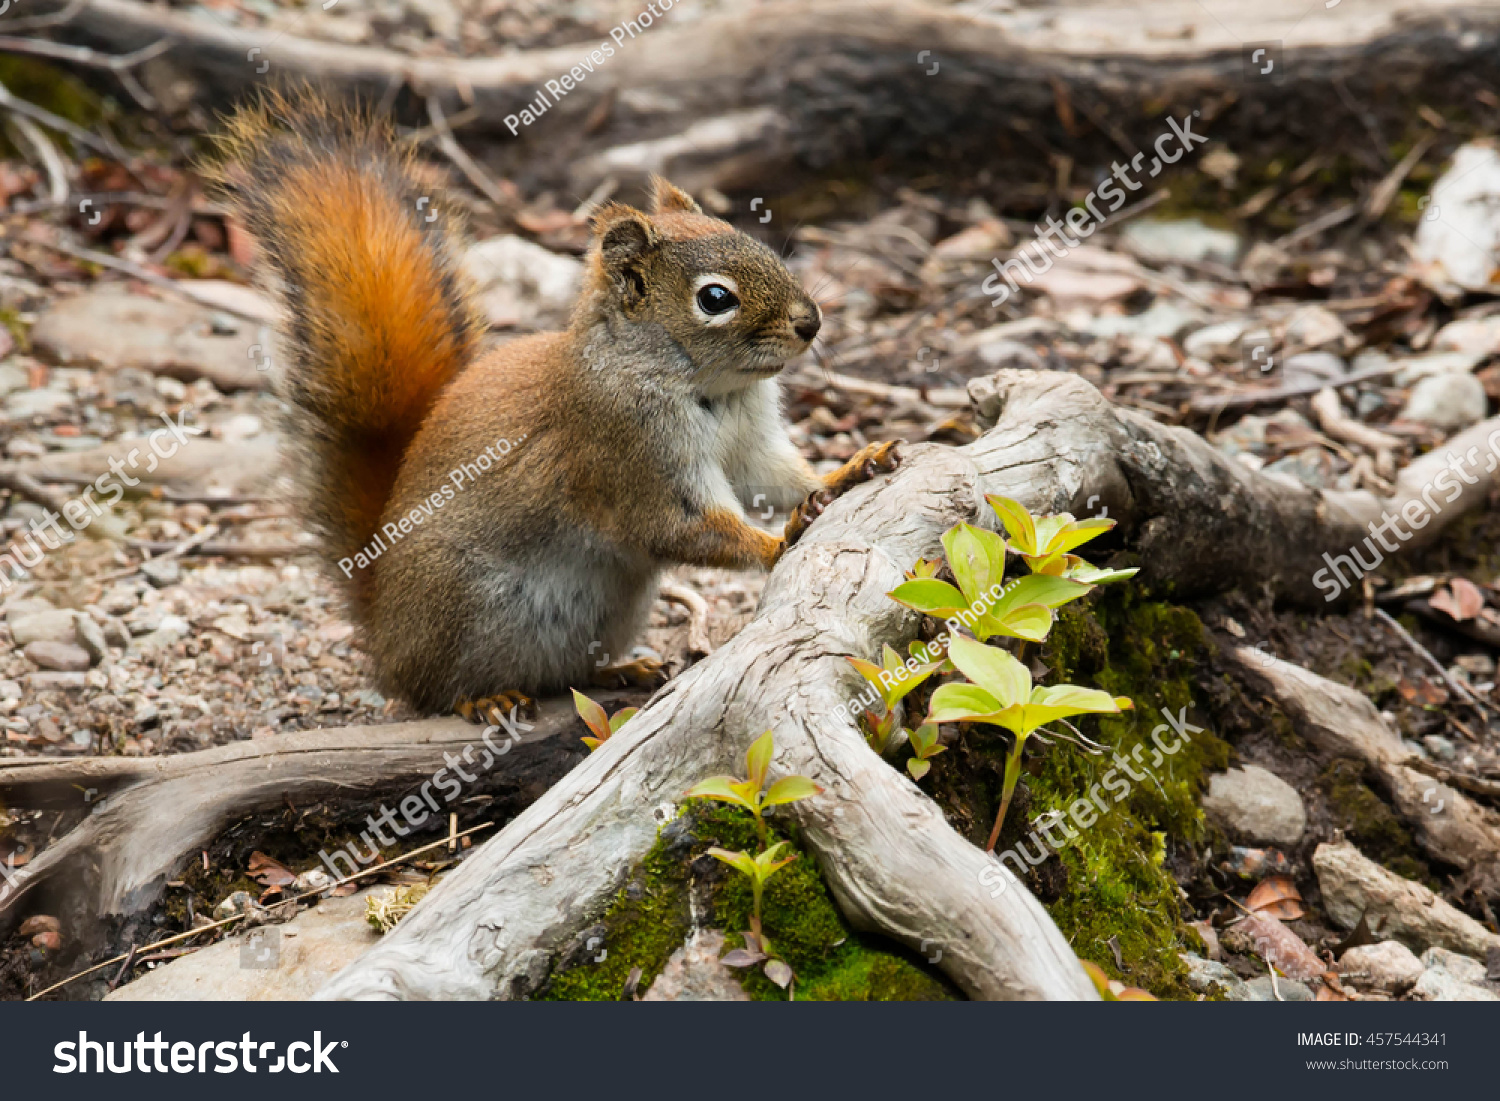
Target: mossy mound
1108, 887
653, 915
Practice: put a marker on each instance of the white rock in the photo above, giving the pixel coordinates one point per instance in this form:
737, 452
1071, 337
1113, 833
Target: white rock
1188, 239
1317, 327
1438, 985
1411, 368
521, 283
1476, 335
1459, 234
1256, 805
1461, 967
1450, 400
1388, 967
1221, 339
49, 626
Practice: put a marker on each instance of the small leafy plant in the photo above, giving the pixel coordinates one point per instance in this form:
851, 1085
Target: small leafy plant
1021, 609
594, 718
998, 689
893, 680
1000, 693
1044, 544
758, 947
751, 793
924, 744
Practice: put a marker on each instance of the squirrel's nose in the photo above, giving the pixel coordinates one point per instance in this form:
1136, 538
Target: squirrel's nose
807, 327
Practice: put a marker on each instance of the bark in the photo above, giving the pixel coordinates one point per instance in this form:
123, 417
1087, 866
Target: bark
143, 819
750, 98
1341, 722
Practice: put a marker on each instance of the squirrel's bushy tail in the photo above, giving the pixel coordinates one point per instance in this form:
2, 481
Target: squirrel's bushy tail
377, 318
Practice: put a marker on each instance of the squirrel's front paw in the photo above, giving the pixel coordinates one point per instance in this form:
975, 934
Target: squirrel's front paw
871, 460
643, 672
804, 514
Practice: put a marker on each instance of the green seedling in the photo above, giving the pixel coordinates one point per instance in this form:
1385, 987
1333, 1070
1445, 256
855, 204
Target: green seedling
1000, 693
1044, 543
925, 745
757, 948
982, 601
750, 793
594, 718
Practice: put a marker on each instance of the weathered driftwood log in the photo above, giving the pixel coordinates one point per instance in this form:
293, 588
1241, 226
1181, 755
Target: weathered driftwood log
144, 818
748, 96
1341, 722
493, 927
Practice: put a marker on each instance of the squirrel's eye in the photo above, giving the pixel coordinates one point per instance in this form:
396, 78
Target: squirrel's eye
715, 298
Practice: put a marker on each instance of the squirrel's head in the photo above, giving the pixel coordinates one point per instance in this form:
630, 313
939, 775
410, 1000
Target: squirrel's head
721, 296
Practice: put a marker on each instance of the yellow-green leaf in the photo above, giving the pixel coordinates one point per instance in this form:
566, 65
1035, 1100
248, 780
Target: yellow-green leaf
953, 703
592, 714
790, 789
621, 717
992, 669
1017, 521
724, 788
758, 760
928, 595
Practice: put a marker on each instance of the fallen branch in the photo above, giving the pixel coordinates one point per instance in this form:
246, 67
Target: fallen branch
893, 862
1341, 722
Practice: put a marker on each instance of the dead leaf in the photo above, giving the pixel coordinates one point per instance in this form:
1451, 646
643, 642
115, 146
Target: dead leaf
741, 957
1461, 599
1277, 896
39, 923
50, 942
1281, 948
269, 872
779, 973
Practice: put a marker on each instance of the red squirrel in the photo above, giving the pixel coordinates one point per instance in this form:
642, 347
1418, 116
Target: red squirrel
601, 454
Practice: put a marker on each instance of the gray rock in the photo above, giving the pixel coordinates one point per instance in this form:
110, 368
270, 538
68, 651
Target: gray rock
1311, 466
1440, 747
997, 354
1206, 975
53, 625
1411, 368
1439, 985
12, 378
91, 637
1388, 967
9, 690
60, 657
37, 403
1259, 990
1220, 340
1188, 239
288, 962
521, 283
1450, 400
1255, 805
1461, 967
1161, 318
162, 572
115, 328
1311, 367
693, 973
42, 682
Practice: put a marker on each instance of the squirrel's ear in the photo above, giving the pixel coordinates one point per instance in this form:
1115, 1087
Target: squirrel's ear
665, 198
624, 233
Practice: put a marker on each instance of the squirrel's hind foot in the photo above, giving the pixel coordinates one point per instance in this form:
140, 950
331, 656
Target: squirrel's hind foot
488, 710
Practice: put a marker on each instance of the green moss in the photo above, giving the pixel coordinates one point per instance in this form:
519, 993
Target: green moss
650, 918
1370, 823
52, 89
1110, 887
